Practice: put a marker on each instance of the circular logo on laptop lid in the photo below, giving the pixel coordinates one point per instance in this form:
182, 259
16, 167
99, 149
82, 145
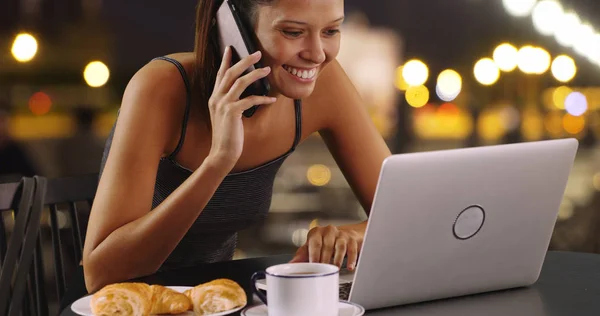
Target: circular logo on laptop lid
468, 222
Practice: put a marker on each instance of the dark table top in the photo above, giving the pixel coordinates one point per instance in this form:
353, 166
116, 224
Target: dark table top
568, 285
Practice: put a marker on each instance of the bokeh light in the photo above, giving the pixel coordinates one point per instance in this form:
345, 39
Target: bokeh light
526, 59
96, 74
417, 96
566, 209
399, 82
594, 54
510, 117
596, 181
554, 124
505, 57
318, 175
584, 39
543, 61
573, 124
449, 85
490, 126
532, 127
415, 72
40, 103
576, 103
560, 95
545, 14
24, 47
566, 29
299, 237
444, 96
519, 8
533, 60
563, 68
486, 71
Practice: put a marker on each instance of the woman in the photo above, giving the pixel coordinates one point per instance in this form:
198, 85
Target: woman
187, 153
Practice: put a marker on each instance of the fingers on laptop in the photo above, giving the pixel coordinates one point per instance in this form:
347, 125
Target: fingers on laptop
329, 244
329, 236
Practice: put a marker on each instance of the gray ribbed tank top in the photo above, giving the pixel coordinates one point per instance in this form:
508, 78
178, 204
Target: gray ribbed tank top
241, 200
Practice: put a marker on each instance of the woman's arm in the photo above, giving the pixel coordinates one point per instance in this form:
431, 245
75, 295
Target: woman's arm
359, 150
124, 239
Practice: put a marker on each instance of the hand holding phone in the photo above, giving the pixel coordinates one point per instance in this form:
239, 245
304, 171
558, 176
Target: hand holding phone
226, 107
233, 31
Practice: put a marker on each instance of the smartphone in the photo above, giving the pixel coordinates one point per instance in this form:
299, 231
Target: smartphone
235, 32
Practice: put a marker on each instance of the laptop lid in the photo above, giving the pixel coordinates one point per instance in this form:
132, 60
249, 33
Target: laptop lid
463, 221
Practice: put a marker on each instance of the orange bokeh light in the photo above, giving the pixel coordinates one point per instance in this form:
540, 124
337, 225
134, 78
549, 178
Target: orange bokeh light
448, 109
573, 124
40, 103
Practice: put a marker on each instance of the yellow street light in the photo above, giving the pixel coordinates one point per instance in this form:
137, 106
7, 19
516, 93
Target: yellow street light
542, 61
566, 29
559, 96
564, 68
533, 60
400, 83
24, 47
519, 8
318, 175
486, 71
417, 96
96, 74
505, 56
583, 42
545, 14
415, 72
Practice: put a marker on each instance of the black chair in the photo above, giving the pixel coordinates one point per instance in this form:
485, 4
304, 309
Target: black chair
62, 204
18, 278
73, 196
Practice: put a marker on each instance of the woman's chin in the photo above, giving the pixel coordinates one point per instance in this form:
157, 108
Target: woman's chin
294, 92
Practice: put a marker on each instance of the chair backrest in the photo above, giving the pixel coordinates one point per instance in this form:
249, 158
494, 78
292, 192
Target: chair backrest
66, 195
10, 198
60, 207
17, 276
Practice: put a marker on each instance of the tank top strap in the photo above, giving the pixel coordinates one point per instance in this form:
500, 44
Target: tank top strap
298, 110
188, 102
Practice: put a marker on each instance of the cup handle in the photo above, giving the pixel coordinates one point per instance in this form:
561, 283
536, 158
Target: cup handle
257, 276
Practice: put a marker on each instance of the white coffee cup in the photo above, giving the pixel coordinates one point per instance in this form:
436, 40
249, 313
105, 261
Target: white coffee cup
300, 289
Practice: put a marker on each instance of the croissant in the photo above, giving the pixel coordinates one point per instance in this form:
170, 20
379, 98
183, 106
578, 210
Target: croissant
138, 299
122, 299
216, 296
168, 301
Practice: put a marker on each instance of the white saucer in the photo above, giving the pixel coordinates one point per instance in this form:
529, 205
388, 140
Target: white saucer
345, 309
82, 305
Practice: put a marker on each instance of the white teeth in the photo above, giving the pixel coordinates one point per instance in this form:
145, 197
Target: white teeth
304, 74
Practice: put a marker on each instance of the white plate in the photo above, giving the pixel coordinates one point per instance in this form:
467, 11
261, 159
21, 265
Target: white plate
345, 309
82, 305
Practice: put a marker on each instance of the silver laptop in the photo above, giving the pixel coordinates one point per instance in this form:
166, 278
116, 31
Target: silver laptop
458, 222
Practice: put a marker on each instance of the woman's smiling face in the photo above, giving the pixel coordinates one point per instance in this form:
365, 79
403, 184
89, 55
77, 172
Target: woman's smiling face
297, 39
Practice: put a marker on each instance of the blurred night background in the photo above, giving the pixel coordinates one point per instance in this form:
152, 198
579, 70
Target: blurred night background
434, 74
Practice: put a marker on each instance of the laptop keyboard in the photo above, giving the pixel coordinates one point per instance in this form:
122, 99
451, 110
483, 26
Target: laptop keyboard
345, 291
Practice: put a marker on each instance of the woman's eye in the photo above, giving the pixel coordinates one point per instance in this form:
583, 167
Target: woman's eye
332, 32
292, 33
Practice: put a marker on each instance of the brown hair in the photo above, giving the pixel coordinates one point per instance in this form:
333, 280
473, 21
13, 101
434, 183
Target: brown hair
206, 50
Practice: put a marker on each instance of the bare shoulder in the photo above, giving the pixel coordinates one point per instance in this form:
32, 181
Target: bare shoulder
157, 94
333, 96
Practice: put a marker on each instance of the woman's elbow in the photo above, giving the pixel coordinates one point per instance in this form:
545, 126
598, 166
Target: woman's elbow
93, 280
96, 276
